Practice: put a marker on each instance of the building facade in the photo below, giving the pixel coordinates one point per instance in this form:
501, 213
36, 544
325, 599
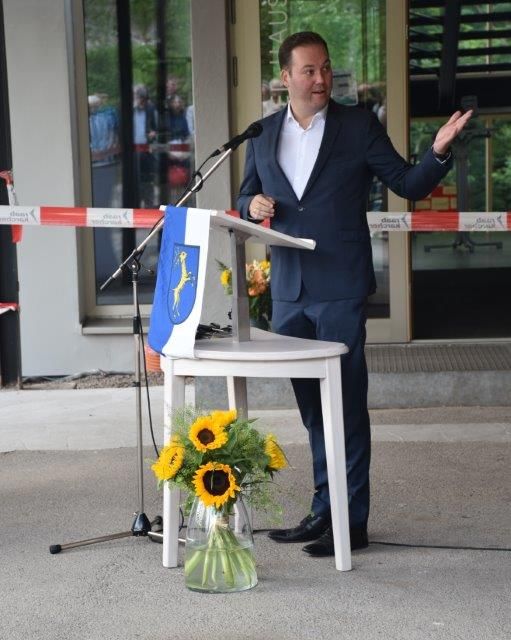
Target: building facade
115, 103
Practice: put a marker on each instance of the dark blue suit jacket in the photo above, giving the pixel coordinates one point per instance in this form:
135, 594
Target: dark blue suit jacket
332, 209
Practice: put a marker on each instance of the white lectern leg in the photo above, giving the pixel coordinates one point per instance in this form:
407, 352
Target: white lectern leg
333, 423
174, 398
237, 396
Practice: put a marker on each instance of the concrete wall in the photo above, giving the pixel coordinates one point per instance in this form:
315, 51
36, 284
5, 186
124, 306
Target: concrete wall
210, 96
37, 64
42, 58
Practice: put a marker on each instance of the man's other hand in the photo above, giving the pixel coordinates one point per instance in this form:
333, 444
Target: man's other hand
449, 131
261, 207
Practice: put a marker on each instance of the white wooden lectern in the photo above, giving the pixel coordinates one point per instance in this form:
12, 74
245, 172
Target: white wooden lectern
261, 354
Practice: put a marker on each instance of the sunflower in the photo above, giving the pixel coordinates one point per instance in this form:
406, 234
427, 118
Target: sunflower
264, 264
225, 277
170, 460
206, 434
214, 484
274, 452
224, 418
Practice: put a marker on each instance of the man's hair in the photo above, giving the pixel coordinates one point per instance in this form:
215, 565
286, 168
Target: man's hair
300, 39
140, 91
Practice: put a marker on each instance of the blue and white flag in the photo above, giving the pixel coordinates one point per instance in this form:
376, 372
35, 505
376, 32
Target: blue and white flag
180, 282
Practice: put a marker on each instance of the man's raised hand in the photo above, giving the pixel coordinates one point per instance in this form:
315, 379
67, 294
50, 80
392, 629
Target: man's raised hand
449, 131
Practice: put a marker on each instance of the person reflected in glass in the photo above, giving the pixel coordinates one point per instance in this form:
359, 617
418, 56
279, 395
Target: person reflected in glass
178, 172
274, 102
265, 94
171, 87
104, 149
145, 125
105, 173
370, 96
190, 119
177, 125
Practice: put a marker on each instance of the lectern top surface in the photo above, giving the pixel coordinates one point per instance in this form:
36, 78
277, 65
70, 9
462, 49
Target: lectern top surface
258, 232
264, 345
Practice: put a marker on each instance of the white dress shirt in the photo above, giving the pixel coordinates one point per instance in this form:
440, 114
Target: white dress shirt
298, 148
139, 126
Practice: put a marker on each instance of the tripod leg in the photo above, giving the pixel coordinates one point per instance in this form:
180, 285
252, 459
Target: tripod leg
57, 548
140, 527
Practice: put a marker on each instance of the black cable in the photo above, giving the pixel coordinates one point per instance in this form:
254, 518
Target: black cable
418, 546
438, 546
195, 174
139, 320
200, 184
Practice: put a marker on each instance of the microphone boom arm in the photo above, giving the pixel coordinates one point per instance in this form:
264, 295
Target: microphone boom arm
252, 131
139, 250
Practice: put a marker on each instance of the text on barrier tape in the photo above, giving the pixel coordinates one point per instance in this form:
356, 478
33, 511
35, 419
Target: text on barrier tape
146, 218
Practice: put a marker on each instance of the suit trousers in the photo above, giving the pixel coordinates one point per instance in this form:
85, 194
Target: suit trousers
334, 321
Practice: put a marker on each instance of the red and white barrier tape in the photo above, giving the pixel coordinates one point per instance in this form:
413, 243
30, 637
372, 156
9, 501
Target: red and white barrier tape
79, 216
146, 218
440, 221
8, 306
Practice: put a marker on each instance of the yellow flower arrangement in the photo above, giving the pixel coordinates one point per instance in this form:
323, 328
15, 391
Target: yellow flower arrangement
216, 455
215, 458
258, 277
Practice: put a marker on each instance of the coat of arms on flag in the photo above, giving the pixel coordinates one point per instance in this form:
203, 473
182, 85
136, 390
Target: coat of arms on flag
180, 282
183, 282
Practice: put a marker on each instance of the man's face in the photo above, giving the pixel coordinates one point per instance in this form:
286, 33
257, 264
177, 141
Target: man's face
177, 105
140, 101
308, 79
171, 86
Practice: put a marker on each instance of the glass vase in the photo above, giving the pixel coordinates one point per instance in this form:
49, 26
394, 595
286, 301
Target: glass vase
219, 549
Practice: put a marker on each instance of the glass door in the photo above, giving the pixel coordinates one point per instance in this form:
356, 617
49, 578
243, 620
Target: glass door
141, 130
460, 278
368, 49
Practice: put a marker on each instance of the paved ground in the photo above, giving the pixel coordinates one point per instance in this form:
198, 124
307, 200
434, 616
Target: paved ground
439, 478
104, 418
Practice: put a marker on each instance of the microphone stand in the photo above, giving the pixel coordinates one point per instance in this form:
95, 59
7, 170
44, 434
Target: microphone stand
141, 525
136, 253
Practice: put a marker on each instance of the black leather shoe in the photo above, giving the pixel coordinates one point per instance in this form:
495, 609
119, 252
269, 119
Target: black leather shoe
324, 546
310, 528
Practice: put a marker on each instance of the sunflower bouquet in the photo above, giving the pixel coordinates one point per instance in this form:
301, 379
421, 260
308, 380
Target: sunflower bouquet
215, 458
258, 276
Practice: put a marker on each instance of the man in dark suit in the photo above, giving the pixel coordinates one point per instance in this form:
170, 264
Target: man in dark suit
310, 171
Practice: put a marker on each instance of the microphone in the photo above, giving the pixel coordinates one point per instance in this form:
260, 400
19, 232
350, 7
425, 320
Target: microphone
253, 131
